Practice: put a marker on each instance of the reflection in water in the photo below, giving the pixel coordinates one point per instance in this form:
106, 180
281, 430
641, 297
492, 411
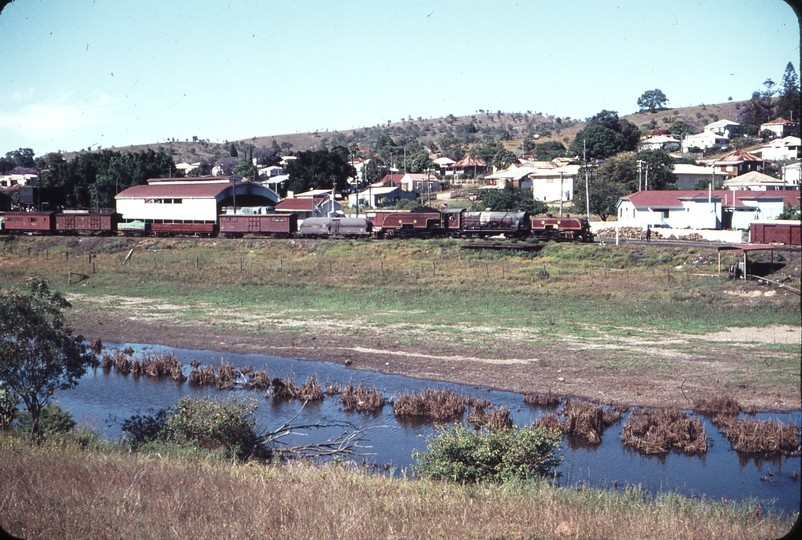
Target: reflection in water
106, 399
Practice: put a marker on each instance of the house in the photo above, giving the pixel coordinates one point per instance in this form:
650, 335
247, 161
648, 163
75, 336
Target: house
737, 163
420, 183
271, 171
790, 174
721, 127
518, 175
22, 179
471, 166
785, 149
315, 206
702, 209
380, 196
705, 140
755, 181
659, 142
779, 126
446, 165
554, 184
391, 179
199, 199
689, 175
187, 168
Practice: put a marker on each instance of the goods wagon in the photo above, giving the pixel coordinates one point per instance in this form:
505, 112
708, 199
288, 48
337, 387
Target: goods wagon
178, 227
29, 222
335, 227
260, 224
87, 222
775, 232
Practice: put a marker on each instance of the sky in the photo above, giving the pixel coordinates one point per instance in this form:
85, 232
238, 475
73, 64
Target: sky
89, 73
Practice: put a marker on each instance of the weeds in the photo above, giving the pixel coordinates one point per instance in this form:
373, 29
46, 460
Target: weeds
659, 431
361, 399
581, 418
437, 405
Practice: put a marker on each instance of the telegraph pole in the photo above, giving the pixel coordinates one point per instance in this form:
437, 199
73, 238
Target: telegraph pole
561, 194
587, 182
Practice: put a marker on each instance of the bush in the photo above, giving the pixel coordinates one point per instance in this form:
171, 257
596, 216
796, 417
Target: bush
214, 424
143, 429
53, 420
461, 455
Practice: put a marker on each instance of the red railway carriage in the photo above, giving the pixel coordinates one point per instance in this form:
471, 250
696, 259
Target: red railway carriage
87, 222
178, 227
561, 229
260, 224
777, 232
390, 224
29, 222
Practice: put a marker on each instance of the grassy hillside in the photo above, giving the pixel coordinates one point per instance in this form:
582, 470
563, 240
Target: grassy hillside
510, 126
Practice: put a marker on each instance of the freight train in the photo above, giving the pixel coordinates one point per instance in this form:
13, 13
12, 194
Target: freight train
422, 223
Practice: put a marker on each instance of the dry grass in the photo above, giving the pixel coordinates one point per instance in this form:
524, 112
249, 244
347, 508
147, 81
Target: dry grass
661, 430
494, 418
581, 418
432, 404
72, 494
157, 366
766, 437
361, 399
549, 399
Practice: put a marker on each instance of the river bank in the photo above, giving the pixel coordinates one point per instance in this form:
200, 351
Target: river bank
572, 370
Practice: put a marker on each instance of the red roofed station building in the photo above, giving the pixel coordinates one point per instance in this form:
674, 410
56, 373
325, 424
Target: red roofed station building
199, 199
702, 209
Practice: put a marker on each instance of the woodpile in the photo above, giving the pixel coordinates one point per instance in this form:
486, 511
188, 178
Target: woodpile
659, 431
639, 233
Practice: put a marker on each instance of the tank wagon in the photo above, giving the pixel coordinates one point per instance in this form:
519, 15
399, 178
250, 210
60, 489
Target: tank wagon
335, 227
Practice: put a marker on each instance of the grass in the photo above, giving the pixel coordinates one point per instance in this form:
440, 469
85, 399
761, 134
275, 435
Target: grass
71, 493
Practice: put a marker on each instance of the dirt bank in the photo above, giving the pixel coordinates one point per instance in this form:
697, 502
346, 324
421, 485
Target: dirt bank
666, 371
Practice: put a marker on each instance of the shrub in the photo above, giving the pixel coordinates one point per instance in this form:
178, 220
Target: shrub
462, 455
53, 420
143, 429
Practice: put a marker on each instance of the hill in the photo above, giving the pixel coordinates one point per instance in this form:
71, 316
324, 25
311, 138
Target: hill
510, 127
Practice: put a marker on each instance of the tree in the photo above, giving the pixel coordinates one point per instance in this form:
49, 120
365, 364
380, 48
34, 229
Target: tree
788, 103
756, 111
509, 199
653, 100
605, 135
22, 157
245, 168
38, 353
548, 150
604, 194
318, 169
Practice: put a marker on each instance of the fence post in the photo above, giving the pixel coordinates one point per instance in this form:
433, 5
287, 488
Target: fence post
487, 269
433, 269
69, 277
605, 270
381, 267
93, 268
66, 255
90, 257
240, 263
29, 252
281, 264
196, 262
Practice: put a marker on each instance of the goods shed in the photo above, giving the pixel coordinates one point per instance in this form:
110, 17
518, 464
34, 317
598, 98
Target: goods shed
190, 199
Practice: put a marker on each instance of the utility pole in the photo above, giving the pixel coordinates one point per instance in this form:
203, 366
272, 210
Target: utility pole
561, 194
587, 182
640, 175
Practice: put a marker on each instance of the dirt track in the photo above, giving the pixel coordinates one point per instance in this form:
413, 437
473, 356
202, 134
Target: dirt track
668, 370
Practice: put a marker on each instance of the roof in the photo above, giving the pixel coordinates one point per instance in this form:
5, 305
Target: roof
738, 156
380, 190
514, 174
674, 198
777, 121
470, 162
752, 178
180, 191
721, 123
659, 139
304, 203
687, 168
392, 178
314, 193
444, 161
566, 170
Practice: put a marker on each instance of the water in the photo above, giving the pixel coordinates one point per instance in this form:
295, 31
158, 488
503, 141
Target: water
104, 400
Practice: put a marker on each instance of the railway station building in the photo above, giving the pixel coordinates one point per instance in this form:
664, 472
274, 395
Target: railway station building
199, 199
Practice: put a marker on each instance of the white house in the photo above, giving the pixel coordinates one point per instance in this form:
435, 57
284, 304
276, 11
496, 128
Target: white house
702, 209
189, 199
785, 149
555, 184
779, 126
790, 174
756, 181
689, 175
379, 196
446, 165
721, 127
704, 140
659, 142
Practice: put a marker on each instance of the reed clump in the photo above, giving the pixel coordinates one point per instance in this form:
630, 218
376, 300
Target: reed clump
764, 437
157, 366
431, 403
661, 430
549, 399
361, 398
494, 418
283, 389
226, 377
311, 390
581, 418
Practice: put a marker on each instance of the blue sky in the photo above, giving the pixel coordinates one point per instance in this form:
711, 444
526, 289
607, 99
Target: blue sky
87, 73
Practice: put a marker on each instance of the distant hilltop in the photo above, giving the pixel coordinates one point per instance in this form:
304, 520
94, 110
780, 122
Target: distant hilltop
509, 127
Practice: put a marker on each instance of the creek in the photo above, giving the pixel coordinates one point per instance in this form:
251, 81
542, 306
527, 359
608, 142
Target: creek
103, 400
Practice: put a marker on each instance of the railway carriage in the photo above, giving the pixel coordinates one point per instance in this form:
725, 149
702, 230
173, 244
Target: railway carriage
237, 225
